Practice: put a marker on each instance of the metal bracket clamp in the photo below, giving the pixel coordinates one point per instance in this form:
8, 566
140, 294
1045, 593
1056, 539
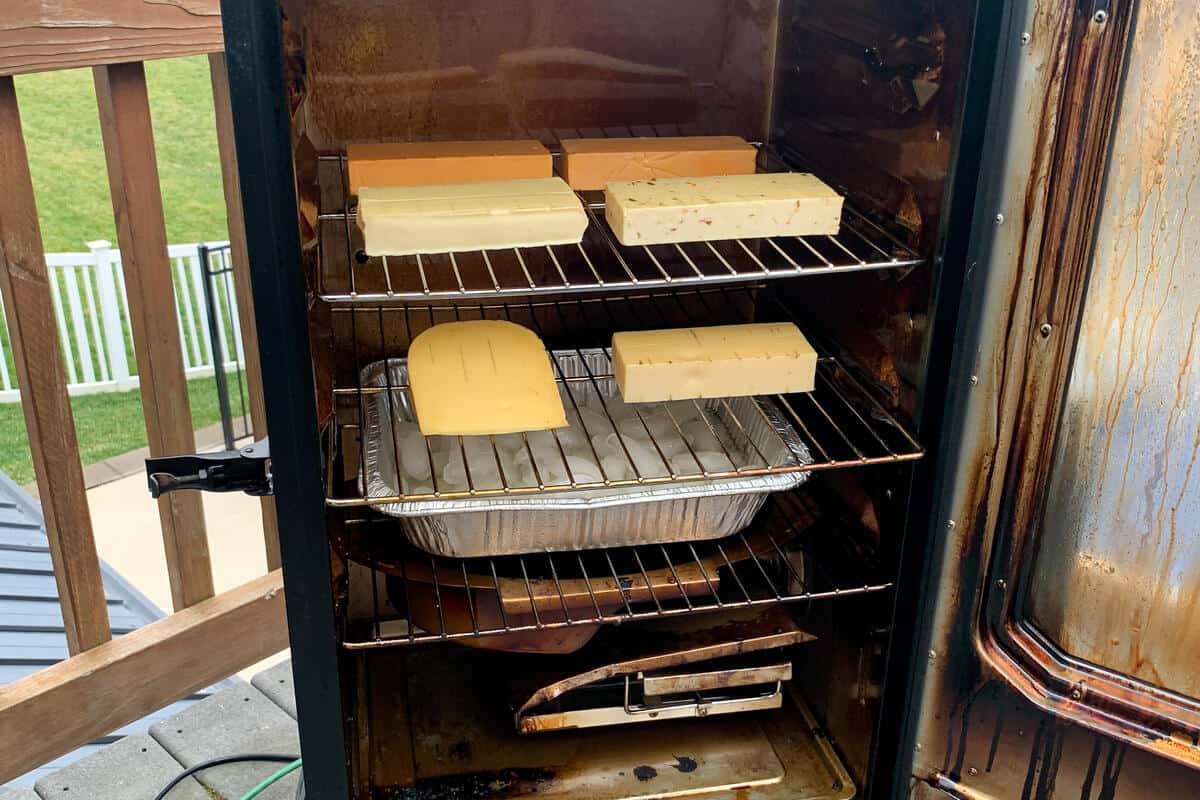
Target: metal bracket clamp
246, 470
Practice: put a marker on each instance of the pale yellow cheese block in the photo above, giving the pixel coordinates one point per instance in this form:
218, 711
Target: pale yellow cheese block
719, 361
482, 377
406, 220
673, 210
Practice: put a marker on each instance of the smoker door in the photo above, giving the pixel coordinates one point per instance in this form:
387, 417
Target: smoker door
1059, 640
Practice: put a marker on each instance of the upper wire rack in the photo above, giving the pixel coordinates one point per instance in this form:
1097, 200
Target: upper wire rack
597, 264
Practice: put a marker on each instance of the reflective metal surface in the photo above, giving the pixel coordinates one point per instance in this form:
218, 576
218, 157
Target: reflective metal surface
997, 718
1117, 577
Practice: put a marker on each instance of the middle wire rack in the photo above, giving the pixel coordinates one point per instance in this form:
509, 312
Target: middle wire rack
839, 424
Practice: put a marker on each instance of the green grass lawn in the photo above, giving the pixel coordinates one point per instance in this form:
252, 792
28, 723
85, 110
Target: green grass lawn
66, 154
106, 425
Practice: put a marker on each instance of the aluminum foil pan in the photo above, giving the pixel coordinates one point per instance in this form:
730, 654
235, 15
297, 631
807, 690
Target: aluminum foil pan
752, 430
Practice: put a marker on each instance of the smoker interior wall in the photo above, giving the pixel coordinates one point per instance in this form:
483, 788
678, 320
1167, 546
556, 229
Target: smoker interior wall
866, 97
431, 69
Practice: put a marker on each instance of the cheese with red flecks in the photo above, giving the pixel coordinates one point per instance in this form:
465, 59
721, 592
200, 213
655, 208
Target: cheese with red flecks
676, 210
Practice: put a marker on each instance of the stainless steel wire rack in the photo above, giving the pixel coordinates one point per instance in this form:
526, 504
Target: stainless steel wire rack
597, 264
840, 424
789, 555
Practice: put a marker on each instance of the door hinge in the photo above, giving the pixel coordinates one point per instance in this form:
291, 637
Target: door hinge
246, 470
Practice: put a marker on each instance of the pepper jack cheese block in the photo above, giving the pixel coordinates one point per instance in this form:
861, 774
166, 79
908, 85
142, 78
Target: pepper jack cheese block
720, 361
403, 220
593, 163
482, 377
725, 207
432, 163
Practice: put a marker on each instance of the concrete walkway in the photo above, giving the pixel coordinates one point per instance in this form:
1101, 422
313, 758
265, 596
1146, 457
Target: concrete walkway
254, 717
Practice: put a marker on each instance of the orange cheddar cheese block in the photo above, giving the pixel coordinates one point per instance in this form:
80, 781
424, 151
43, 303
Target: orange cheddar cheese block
440, 163
593, 163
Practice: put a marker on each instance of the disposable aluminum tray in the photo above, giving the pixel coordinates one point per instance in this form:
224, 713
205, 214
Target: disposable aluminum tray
687, 507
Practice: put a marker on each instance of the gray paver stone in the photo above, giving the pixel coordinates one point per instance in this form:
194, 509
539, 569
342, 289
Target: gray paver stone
237, 720
133, 767
18, 794
276, 683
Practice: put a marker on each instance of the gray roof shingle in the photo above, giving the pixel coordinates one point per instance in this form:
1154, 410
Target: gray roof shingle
31, 626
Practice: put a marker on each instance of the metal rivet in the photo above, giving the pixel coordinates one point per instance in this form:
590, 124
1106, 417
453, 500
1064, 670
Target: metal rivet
1046, 330
1025, 37
972, 772
1001, 584
999, 219
950, 524
1100, 17
1076, 694
974, 380
918, 747
933, 654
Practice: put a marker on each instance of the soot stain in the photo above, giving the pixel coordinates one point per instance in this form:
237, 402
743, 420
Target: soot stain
684, 764
645, 773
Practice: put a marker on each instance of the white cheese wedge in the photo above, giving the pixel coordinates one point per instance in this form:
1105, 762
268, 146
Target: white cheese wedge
482, 377
672, 210
407, 220
719, 361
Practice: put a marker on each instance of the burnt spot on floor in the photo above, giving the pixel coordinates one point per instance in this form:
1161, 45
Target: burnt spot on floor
645, 773
684, 764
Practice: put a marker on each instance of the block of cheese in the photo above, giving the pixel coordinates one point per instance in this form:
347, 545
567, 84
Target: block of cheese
723, 207
482, 377
426, 163
593, 163
719, 361
403, 220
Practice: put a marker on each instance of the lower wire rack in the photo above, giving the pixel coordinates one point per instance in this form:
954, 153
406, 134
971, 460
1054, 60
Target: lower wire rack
792, 553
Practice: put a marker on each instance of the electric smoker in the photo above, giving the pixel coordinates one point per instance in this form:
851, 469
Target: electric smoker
489, 639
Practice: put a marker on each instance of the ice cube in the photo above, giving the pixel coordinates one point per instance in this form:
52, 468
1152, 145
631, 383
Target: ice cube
584, 470
632, 427
685, 410
595, 420
510, 443
572, 440
685, 464
618, 409
603, 446
414, 459
671, 445
700, 437
714, 462
616, 468
646, 459
454, 475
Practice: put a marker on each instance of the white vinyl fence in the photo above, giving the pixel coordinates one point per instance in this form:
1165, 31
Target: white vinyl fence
92, 311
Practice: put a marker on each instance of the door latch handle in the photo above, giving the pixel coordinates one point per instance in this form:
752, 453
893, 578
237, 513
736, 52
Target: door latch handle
246, 470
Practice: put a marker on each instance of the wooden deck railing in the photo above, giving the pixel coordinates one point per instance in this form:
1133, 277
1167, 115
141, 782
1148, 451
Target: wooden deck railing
107, 683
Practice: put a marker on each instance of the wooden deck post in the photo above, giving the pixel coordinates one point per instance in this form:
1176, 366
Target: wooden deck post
43, 382
141, 232
241, 279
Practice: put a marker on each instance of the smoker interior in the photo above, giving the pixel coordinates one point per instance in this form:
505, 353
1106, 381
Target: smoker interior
863, 94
